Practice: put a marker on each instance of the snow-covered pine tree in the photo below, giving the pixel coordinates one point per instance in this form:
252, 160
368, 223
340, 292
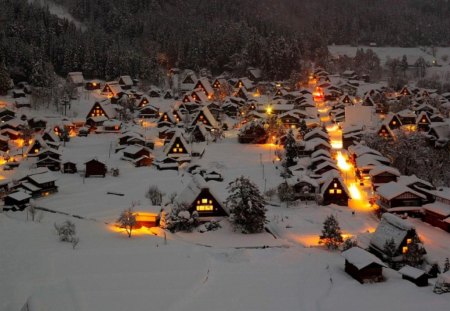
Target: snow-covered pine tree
331, 233
247, 205
414, 253
290, 149
389, 250
303, 129
446, 266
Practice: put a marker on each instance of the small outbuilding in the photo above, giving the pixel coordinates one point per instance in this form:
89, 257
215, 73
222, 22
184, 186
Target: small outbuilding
18, 200
95, 168
416, 276
363, 266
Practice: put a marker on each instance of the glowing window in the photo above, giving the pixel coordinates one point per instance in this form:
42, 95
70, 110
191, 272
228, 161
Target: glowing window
204, 201
408, 241
404, 249
177, 145
335, 185
205, 207
174, 149
331, 191
338, 191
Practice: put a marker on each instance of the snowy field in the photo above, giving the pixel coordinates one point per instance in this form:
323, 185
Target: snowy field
220, 270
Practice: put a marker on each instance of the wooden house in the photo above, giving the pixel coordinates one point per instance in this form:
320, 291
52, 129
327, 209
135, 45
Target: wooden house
437, 213
111, 89
16, 201
199, 133
199, 96
95, 168
253, 133
393, 121
167, 118
423, 122
333, 189
168, 94
6, 115
305, 187
324, 167
50, 159
405, 91
290, 120
93, 85
125, 82
199, 198
220, 83
177, 147
317, 132
385, 132
382, 174
244, 83
69, 167
148, 112
205, 117
102, 109
204, 85
138, 155
154, 92
242, 93
144, 101
37, 124
75, 78
414, 275
392, 227
38, 184
146, 219
12, 134
166, 163
363, 266
407, 116
112, 126
394, 194
36, 146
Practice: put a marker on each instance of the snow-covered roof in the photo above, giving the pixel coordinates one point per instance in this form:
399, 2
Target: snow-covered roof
384, 169
42, 178
76, 77
411, 272
361, 258
19, 195
412, 179
394, 189
126, 80
438, 208
390, 227
192, 190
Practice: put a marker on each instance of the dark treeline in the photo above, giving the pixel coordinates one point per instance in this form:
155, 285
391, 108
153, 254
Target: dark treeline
144, 37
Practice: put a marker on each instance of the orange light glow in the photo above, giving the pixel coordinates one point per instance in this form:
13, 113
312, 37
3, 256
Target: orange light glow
20, 142
342, 162
355, 193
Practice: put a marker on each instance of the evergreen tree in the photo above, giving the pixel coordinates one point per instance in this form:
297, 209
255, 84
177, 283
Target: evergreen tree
389, 250
303, 129
446, 266
5, 81
404, 64
414, 253
247, 205
290, 149
331, 233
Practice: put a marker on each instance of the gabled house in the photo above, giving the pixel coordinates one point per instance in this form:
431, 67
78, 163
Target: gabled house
177, 147
167, 118
125, 82
204, 85
244, 83
423, 122
199, 96
38, 184
199, 133
102, 109
333, 189
392, 227
405, 91
198, 197
407, 116
166, 163
4, 143
16, 201
50, 159
386, 132
392, 121
111, 89
144, 101
93, 85
290, 120
168, 94
438, 212
205, 117
439, 133
36, 146
69, 167
382, 174
6, 115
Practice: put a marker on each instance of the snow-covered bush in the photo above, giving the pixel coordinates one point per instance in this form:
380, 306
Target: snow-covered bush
180, 219
286, 192
67, 232
348, 243
155, 195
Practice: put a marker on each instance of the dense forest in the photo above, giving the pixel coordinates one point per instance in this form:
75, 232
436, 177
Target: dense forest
144, 38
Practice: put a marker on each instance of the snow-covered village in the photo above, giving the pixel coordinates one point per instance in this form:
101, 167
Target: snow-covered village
205, 155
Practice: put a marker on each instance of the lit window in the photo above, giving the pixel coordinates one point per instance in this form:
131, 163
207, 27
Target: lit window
178, 145
174, 149
404, 249
204, 201
331, 191
338, 191
180, 149
335, 185
408, 241
205, 207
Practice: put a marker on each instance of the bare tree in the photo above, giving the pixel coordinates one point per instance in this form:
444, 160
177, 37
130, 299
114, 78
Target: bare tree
155, 195
127, 220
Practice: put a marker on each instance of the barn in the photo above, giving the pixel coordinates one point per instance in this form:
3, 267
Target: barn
363, 266
95, 168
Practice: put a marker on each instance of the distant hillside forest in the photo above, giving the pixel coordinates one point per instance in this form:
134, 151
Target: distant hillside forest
143, 38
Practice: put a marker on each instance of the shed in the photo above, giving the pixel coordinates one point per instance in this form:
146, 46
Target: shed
363, 266
95, 168
17, 200
417, 276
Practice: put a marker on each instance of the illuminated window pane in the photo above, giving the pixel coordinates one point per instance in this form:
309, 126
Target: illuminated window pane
174, 149
338, 191
408, 241
331, 191
404, 249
